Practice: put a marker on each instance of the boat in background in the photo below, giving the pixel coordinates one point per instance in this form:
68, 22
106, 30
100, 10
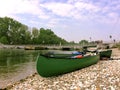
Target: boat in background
105, 54
50, 65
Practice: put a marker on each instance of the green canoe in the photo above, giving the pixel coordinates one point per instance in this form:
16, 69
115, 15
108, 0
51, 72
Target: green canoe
105, 54
54, 66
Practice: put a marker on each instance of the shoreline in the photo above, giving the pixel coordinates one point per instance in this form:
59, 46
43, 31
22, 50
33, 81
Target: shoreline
102, 75
19, 81
12, 83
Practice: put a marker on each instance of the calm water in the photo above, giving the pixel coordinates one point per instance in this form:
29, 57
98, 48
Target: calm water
16, 64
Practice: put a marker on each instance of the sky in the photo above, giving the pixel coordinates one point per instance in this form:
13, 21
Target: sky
72, 20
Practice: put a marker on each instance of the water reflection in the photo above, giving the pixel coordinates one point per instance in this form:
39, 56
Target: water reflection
16, 64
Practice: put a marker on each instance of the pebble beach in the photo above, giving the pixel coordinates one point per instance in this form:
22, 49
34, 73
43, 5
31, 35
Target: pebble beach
105, 75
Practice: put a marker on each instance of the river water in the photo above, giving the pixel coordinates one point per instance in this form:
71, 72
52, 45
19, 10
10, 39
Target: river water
16, 64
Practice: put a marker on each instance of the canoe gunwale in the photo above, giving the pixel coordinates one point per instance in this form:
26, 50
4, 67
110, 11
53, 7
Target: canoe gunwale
69, 57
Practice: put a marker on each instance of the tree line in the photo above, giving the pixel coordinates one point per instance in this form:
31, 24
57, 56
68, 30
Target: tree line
13, 32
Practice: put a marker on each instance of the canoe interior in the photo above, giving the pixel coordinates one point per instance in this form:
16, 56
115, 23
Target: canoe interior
48, 67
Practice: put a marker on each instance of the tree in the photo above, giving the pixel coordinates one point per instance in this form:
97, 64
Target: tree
14, 32
35, 34
72, 42
28, 37
90, 39
114, 40
110, 37
83, 42
17, 33
3, 40
4, 27
23, 35
48, 37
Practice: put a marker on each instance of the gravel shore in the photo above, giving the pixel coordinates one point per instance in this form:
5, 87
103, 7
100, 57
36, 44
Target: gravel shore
105, 75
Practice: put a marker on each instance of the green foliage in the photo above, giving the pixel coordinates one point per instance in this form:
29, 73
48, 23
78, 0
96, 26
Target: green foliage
83, 42
48, 37
13, 32
3, 40
35, 34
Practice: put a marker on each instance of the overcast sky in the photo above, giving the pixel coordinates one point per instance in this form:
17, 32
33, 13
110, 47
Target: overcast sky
72, 20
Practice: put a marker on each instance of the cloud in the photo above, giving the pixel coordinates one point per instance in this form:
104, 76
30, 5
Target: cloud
15, 7
74, 9
57, 8
5, 8
86, 6
80, 10
52, 23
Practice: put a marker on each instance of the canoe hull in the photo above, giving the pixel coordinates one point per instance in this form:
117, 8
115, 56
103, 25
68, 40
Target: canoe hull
105, 54
48, 67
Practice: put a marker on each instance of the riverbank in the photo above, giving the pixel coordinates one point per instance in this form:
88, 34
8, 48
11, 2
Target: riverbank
105, 75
